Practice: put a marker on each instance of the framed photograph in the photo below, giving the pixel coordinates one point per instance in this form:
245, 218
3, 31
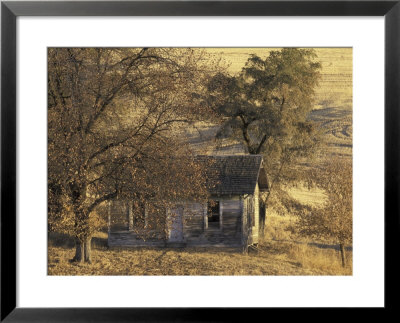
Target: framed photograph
162, 158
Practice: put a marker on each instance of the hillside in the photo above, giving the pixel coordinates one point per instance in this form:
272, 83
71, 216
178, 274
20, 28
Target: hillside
333, 101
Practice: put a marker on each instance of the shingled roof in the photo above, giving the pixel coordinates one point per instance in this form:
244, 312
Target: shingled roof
234, 175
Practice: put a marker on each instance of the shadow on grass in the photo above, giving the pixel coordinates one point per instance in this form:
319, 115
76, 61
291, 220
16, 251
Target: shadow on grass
329, 246
314, 244
62, 240
99, 243
274, 248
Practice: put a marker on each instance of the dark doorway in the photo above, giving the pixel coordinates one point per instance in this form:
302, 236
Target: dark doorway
213, 214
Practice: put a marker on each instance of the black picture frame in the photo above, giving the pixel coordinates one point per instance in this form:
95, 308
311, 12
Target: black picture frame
10, 10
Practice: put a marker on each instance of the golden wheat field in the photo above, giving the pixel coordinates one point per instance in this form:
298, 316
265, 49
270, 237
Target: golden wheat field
334, 96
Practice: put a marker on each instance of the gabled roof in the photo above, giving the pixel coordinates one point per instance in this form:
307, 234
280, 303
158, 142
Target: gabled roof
234, 175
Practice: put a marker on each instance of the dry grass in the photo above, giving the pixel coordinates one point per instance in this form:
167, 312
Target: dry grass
326, 259
310, 196
277, 226
273, 258
320, 256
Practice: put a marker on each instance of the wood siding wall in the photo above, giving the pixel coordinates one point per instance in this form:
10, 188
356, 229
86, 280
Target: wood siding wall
193, 222
256, 224
132, 239
235, 211
126, 231
198, 233
245, 218
251, 217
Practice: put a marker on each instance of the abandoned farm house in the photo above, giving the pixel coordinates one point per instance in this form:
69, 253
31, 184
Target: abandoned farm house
229, 219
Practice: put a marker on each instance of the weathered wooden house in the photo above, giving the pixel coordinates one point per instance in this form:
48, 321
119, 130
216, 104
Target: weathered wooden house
229, 219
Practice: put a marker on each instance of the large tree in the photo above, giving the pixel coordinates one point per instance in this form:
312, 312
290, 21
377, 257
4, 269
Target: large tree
267, 105
112, 119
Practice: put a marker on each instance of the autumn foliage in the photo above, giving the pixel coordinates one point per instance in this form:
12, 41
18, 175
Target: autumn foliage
113, 114
334, 221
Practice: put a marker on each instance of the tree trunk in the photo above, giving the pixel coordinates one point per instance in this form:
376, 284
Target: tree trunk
343, 255
88, 250
79, 251
82, 243
83, 251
